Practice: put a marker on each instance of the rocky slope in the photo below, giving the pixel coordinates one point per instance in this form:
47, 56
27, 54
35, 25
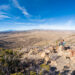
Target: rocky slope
61, 59
41, 47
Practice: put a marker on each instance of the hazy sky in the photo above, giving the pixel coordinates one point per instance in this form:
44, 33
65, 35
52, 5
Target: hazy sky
37, 14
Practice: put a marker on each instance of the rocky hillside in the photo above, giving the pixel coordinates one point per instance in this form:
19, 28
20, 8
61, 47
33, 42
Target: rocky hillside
39, 53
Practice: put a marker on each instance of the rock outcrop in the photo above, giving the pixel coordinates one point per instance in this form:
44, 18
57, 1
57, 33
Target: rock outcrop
59, 58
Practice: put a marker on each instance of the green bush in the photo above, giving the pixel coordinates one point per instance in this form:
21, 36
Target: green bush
44, 66
32, 73
17, 73
8, 60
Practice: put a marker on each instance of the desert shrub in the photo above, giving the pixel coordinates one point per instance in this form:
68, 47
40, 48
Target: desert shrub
44, 66
59, 74
1, 73
8, 61
32, 73
17, 73
40, 73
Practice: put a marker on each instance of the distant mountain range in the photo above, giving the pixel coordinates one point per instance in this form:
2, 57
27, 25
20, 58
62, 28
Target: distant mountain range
7, 31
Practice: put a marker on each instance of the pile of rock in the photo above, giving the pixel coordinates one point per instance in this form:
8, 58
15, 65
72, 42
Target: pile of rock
58, 59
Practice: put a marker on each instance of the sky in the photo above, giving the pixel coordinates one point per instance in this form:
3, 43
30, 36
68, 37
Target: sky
37, 14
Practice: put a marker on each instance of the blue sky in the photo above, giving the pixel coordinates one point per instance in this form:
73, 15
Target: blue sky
37, 14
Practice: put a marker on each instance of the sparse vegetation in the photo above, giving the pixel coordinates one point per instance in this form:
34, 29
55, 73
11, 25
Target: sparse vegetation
8, 61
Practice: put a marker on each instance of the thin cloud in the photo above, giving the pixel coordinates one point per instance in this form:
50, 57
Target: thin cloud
68, 25
37, 20
24, 11
3, 15
4, 7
